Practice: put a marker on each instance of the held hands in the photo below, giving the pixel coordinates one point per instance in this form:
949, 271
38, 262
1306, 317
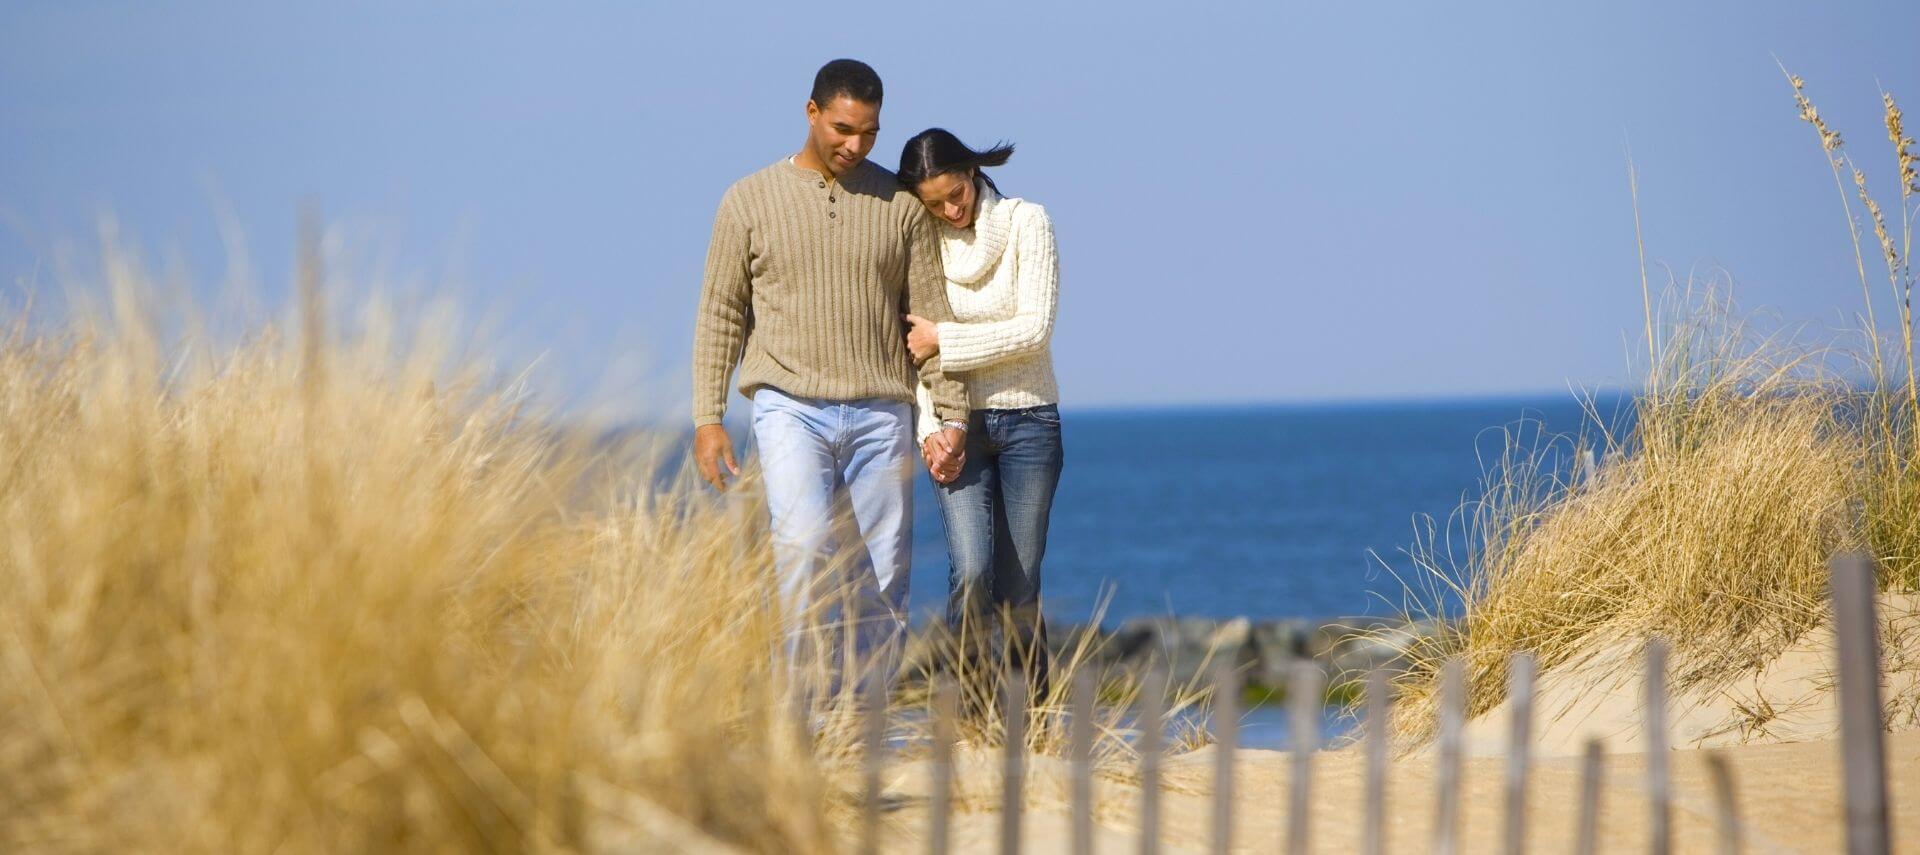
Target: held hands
945, 452
711, 447
923, 338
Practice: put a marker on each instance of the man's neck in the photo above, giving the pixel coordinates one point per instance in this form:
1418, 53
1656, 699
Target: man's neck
806, 159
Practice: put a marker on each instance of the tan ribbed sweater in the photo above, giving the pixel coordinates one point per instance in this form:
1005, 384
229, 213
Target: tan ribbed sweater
806, 281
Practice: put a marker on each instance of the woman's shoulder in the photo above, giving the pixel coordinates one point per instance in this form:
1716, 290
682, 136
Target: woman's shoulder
1028, 213
1030, 221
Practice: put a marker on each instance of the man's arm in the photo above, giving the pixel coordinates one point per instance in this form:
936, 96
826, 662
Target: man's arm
720, 331
725, 314
927, 297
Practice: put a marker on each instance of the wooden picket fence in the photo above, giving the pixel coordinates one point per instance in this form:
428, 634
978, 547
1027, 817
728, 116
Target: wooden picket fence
1862, 747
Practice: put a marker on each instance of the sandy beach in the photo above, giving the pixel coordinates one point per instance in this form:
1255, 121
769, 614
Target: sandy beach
1776, 725
1789, 798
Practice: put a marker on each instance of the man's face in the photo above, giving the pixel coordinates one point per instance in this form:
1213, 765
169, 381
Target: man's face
842, 132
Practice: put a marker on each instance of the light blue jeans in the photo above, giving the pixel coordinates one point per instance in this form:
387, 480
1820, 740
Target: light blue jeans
839, 484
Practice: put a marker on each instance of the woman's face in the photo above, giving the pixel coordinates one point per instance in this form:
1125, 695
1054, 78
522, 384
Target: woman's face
949, 198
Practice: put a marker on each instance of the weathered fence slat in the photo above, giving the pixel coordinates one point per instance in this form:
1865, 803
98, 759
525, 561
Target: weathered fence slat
1080, 756
1862, 729
1305, 700
1520, 674
1153, 700
873, 721
1586, 840
946, 715
1013, 693
1659, 781
1379, 696
1726, 812
1446, 814
1226, 734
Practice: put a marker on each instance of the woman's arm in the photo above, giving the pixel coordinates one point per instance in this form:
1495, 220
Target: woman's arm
966, 346
926, 422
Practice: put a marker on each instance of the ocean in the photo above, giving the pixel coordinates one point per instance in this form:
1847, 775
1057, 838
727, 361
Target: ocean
1269, 512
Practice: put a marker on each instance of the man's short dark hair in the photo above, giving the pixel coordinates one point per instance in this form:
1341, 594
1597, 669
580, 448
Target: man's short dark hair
849, 77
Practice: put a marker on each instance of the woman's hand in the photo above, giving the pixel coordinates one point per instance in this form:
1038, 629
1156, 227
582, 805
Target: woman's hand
944, 452
923, 338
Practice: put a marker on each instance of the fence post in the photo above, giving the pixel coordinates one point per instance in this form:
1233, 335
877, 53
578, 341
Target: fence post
1520, 678
1862, 729
946, 714
1446, 814
1659, 784
1726, 811
1305, 701
1226, 732
1013, 691
1080, 751
1586, 839
873, 722
1152, 734
1378, 698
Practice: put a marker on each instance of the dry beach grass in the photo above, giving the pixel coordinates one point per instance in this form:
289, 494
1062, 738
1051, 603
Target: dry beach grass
323, 592
1748, 463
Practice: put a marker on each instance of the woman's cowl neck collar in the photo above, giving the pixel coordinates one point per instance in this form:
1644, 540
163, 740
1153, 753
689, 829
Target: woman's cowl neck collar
970, 253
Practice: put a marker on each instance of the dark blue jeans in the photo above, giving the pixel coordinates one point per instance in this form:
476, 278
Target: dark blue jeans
996, 520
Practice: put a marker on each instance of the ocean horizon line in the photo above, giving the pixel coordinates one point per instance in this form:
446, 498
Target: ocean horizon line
1366, 402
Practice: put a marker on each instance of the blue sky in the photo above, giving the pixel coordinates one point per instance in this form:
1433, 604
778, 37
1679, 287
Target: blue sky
1259, 202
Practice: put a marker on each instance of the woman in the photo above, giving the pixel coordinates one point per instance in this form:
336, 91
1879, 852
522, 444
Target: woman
1002, 282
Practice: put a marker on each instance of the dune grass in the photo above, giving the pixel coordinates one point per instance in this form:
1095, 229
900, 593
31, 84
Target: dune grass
319, 592
1748, 462
1709, 523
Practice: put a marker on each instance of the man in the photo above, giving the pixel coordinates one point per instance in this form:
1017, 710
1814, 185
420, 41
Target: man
813, 261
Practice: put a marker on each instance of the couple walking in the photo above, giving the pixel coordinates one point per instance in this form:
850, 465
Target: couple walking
883, 322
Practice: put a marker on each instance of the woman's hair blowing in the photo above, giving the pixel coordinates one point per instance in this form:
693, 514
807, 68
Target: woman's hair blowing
936, 151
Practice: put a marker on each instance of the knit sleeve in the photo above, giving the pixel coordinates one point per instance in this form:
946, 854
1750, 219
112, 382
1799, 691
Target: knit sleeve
925, 423
725, 313
927, 297
966, 346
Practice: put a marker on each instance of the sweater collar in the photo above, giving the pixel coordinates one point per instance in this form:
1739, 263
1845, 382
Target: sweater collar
791, 166
970, 253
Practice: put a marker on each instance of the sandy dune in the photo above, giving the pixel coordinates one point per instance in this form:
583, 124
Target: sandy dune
1788, 699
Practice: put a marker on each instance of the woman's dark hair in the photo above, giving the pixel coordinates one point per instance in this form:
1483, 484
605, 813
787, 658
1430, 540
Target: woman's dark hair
936, 151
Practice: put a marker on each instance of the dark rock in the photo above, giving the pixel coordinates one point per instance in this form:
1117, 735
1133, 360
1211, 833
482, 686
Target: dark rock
1187, 647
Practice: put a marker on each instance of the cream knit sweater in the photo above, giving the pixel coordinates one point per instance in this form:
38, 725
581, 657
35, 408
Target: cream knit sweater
1003, 284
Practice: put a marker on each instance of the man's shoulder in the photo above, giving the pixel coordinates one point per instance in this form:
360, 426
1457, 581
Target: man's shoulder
870, 171
757, 178
877, 180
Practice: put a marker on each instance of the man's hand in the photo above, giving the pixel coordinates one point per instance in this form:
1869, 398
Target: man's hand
923, 338
945, 452
711, 445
